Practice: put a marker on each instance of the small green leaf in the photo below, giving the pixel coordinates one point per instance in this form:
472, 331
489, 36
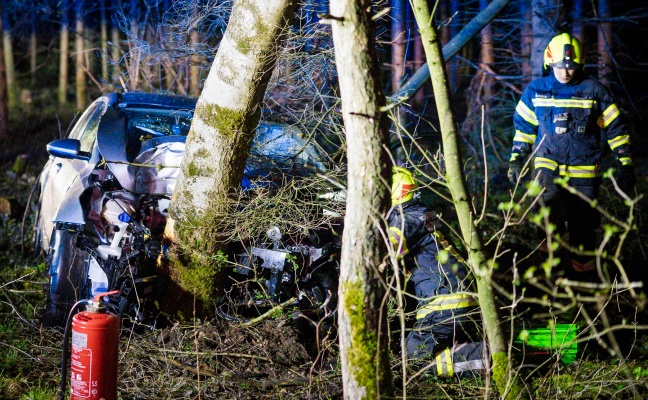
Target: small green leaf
443, 256
534, 188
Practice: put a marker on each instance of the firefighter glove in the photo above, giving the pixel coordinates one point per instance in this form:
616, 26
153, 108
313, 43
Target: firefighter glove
625, 177
514, 172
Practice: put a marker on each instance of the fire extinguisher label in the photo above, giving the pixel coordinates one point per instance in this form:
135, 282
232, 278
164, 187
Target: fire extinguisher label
79, 340
81, 375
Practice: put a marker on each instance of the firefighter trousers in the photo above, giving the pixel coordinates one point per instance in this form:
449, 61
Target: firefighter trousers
447, 319
570, 213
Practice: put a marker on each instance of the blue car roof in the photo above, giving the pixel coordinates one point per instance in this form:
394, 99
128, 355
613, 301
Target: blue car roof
152, 100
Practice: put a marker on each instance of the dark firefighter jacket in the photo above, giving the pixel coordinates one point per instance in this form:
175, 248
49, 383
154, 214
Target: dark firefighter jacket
565, 122
433, 281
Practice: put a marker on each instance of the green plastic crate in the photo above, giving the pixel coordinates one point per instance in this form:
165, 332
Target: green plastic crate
560, 337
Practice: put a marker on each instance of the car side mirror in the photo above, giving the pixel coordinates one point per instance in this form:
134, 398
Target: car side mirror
67, 148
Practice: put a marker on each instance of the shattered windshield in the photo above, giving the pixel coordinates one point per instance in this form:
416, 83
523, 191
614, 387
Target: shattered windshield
146, 128
146, 124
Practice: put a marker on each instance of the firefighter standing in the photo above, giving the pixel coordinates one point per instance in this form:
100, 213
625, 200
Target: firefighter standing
444, 315
563, 115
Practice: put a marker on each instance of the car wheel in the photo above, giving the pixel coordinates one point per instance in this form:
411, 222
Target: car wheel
66, 276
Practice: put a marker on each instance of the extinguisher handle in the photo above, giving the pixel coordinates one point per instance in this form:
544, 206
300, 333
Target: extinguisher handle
98, 297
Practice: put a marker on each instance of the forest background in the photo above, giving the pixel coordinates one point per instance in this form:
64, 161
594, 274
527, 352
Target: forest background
58, 56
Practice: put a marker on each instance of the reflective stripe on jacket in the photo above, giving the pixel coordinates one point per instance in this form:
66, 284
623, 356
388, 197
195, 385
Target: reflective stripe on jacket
452, 301
564, 122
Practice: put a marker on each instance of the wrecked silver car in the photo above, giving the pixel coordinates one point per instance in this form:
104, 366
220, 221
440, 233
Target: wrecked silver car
105, 193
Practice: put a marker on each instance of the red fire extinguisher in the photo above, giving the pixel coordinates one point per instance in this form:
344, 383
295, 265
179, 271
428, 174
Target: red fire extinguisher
95, 346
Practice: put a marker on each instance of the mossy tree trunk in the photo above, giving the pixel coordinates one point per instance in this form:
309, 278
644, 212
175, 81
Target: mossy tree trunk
223, 126
506, 381
363, 335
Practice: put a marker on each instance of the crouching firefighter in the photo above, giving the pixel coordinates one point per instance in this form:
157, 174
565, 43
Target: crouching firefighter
445, 331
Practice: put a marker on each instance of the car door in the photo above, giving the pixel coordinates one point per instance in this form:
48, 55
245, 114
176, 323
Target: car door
59, 174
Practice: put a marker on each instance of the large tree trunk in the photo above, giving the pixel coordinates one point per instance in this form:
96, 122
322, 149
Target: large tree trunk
506, 381
4, 97
64, 54
79, 58
33, 51
419, 60
543, 26
399, 37
486, 52
134, 55
223, 127
194, 68
453, 64
10, 66
487, 60
104, 44
115, 43
398, 43
526, 40
578, 29
363, 335
604, 42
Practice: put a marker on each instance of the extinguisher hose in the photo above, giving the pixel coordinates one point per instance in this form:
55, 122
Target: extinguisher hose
66, 340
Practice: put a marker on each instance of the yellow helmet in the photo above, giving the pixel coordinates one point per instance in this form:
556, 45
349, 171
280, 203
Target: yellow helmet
564, 51
403, 186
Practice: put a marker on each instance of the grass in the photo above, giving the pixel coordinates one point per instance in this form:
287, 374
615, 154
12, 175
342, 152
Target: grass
212, 359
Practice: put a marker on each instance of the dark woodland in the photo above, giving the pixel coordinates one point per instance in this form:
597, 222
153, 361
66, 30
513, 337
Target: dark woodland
58, 57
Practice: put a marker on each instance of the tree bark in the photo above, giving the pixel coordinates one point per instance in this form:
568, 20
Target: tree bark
578, 29
223, 127
453, 28
506, 381
4, 96
116, 52
419, 60
604, 43
194, 68
104, 44
526, 41
10, 66
487, 59
64, 55
543, 23
134, 55
79, 57
398, 43
363, 335
33, 52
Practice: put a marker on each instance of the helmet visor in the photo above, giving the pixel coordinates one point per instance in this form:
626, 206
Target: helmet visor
567, 62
